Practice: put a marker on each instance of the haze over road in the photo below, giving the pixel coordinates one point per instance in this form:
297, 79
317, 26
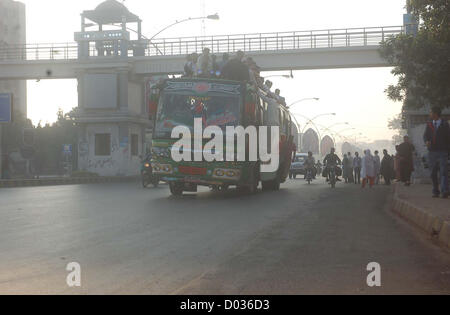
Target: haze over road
303, 239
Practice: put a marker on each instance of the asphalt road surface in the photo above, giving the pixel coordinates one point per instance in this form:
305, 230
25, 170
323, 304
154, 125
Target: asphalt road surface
129, 240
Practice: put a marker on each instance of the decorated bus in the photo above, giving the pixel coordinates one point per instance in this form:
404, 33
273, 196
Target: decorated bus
186, 160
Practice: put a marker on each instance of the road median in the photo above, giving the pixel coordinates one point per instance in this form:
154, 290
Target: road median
57, 181
415, 205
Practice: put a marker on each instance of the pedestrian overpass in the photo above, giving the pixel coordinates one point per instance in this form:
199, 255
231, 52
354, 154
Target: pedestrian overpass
321, 49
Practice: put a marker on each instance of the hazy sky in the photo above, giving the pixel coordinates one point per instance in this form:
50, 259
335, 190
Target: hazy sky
356, 95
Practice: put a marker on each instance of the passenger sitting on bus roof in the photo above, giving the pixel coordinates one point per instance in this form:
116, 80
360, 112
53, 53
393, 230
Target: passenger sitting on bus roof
221, 64
215, 72
260, 83
267, 86
280, 99
235, 69
254, 70
190, 68
204, 64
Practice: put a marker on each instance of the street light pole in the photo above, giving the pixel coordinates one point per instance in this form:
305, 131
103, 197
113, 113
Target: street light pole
209, 17
311, 122
303, 100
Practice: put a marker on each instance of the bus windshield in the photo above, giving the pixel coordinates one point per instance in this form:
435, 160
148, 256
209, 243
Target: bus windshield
181, 108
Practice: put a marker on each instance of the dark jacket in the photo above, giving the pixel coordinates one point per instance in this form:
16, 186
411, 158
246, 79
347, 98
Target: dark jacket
236, 70
440, 138
387, 167
332, 159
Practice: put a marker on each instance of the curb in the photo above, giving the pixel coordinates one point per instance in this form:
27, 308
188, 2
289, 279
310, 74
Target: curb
64, 181
431, 224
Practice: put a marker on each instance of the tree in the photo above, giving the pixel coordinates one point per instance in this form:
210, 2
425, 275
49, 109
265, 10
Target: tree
50, 140
422, 62
396, 124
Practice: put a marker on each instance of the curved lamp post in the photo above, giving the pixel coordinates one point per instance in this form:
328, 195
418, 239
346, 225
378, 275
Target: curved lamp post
311, 122
209, 17
303, 100
286, 76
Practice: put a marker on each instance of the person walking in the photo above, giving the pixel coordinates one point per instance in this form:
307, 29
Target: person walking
406, 164
357, 164
368, 169
387, 167
437, 139
345, 168
377, 161
350, 166
396, 158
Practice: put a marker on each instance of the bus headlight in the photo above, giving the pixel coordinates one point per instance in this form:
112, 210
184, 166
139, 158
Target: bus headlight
162, 168
227, 174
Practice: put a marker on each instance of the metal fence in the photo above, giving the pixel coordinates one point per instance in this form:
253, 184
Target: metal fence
334, 38
274, 41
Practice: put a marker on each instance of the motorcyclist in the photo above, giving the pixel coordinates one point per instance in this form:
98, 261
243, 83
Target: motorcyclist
310, 164
332, 160
147, 171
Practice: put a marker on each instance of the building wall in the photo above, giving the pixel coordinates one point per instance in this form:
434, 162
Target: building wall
120, 162
13, 32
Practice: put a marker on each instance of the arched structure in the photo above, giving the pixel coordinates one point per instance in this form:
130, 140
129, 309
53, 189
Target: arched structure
326, 144
310, 141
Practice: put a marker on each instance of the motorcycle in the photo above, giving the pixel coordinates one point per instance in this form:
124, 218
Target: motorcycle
147, 175
309, 176
332, 176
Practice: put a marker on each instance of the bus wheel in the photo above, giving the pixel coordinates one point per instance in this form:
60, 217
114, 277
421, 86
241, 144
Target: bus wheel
176, 189
271, 185
276, 184
254, 182
223, 188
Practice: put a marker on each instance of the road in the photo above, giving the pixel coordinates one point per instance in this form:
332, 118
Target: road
128, 240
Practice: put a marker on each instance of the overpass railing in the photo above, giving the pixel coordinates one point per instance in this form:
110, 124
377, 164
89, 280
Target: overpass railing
62, 51
334, 38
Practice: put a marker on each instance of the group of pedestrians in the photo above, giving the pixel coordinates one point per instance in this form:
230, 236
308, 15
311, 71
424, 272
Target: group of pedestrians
351, 167
369, 169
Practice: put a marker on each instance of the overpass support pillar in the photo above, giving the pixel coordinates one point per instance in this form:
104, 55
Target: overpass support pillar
112, 120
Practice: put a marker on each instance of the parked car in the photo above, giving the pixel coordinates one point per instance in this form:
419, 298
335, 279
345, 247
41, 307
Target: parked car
298, 165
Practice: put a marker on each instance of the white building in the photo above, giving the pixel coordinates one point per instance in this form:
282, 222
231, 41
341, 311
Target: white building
13, 33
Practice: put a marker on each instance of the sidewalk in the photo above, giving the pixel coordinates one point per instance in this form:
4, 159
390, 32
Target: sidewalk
415, 205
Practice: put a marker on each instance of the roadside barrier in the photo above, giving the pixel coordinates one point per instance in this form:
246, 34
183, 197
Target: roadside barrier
64, 181
433, 225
